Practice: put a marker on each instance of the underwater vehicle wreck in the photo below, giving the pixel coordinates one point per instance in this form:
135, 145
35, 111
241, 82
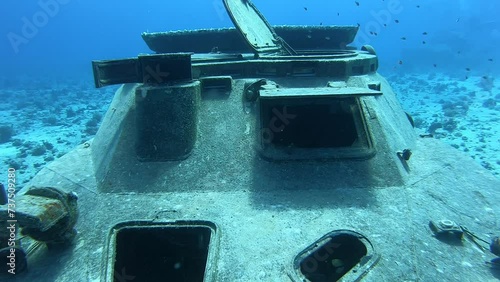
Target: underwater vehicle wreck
255, 153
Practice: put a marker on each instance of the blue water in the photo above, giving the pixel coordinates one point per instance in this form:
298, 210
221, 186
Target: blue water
61, 37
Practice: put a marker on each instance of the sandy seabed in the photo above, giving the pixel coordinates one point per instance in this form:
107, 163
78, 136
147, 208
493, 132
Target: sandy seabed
464, 112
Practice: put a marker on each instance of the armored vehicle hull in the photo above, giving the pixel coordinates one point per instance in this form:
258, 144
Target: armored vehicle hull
262, 213
260, 163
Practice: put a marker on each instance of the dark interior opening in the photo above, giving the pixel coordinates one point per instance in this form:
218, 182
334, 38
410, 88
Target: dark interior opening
162, 254
315, 125
333, 259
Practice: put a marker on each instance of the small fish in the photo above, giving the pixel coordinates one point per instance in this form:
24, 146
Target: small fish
424, 33
385, 25
490, 59
357, 3
403, 38
305, 8
423, 42
400, 62
396, 21
467, 69
418, 6
435, 65
338, 14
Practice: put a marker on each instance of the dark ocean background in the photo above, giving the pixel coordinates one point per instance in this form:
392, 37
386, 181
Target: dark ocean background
60, 37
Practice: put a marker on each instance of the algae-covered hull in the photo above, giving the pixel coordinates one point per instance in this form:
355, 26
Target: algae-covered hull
261, 214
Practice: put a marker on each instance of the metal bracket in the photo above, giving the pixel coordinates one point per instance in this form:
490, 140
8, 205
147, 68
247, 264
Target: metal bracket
150, 69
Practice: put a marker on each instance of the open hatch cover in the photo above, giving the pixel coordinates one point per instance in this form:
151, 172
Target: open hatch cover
253, 26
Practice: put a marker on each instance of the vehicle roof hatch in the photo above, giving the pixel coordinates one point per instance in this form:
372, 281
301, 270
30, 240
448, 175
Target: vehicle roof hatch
252, 25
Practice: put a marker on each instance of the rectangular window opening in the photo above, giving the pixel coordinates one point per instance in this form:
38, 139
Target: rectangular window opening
311, 128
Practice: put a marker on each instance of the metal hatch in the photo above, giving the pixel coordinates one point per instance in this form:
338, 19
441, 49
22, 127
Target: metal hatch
314, 123
253, 26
